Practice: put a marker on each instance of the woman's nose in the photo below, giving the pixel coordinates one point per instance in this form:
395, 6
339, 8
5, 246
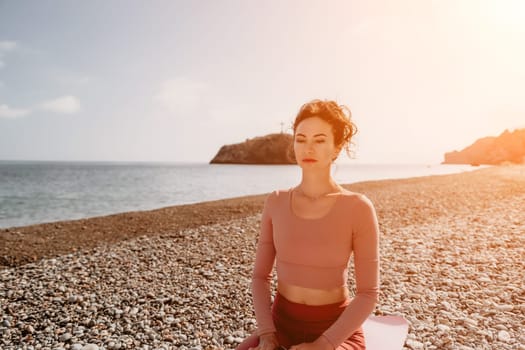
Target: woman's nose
309, 147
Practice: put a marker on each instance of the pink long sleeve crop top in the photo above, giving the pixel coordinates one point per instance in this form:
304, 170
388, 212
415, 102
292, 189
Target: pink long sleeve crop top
314, 253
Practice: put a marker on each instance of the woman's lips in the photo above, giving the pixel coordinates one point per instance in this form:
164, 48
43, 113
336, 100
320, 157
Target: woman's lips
309, 160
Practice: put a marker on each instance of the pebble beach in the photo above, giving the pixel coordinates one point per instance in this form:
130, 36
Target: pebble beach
452, 263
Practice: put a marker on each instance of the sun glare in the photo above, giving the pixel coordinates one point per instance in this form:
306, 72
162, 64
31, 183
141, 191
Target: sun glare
506, 14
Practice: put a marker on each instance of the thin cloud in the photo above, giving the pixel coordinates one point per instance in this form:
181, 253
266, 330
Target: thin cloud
12, 113
181, 94
65, 104
5, 47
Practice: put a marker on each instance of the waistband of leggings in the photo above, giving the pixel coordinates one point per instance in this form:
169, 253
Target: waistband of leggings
304, 312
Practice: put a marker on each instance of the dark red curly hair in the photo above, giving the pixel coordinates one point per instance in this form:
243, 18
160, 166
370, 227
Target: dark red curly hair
334, 114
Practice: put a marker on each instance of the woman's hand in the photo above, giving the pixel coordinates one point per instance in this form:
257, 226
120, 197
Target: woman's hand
321, 343
267, 342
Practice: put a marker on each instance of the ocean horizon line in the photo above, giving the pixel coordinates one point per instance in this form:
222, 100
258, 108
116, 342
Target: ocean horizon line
178, 162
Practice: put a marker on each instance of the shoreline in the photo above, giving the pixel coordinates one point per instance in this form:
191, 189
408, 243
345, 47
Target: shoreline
29, 243
451, 248
25, 244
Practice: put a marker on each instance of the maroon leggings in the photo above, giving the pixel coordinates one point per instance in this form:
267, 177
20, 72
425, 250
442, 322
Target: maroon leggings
300, 323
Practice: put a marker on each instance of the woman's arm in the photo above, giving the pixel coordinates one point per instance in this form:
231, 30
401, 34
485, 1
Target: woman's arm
365, 240
262, 272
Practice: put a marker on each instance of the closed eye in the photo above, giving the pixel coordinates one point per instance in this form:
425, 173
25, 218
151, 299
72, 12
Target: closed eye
316, 141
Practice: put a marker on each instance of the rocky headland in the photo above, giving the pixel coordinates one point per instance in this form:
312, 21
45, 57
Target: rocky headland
509, 147
269, 149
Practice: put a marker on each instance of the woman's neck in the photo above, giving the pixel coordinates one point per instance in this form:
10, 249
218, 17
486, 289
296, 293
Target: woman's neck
317, 183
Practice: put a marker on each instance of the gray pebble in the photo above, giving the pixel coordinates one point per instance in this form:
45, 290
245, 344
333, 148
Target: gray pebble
504, 336
65, 337
90, 347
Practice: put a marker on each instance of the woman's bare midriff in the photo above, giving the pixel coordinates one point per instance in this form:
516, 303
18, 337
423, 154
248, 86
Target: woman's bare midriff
311, 296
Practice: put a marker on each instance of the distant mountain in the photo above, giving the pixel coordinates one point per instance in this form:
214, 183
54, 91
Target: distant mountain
509, 147
269, 149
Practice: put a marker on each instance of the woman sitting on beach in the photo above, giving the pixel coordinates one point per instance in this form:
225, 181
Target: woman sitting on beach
311, 231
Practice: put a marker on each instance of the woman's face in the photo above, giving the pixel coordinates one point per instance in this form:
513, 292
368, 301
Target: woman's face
314, 143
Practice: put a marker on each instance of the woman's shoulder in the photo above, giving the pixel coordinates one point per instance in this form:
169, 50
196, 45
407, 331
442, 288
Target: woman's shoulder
356, 198
283, 192
278, 195
351, 194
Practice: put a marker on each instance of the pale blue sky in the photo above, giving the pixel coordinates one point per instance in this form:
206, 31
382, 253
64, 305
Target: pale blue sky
175, 80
